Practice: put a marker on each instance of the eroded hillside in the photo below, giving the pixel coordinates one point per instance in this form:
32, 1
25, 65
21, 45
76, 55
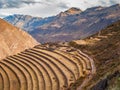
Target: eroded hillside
13, 40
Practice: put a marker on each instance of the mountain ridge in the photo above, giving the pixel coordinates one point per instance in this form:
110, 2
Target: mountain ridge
67, 27
70, 11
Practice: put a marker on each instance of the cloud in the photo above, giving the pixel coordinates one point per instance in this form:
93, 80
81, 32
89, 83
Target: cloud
56, 3
41, 8
108, 2
2, 15
103, 2
15, 3
84, 4
45, 8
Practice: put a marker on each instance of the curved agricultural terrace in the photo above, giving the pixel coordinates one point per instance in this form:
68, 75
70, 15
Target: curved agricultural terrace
43, 69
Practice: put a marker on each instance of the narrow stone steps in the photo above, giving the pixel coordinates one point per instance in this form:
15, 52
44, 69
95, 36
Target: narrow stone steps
70, 64
26, 80
69, 73
42, 68
75, 60
30, 69
50, 71
38, 72
71, 59
1, 82
13, 77
85, 70
6, 81
59, 72
88, 64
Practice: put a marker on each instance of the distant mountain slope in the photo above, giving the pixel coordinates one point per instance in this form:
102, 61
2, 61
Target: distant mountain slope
72, 24
104, 48
27, 22
13, 40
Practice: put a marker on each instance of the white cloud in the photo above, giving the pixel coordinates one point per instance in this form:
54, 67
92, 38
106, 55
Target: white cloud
43, 8
16, 3
83, 4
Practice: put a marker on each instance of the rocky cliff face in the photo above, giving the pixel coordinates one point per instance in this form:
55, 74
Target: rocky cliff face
13, 40
72, 24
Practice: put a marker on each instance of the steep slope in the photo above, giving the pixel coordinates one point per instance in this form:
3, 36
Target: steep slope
77, 26
72, 24
27, 22
104, 48
13, 40
21, 21
44, 68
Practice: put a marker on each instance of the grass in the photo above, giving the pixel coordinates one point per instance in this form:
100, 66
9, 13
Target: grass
105, 52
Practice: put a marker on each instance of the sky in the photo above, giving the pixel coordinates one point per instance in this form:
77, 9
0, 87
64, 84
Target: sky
45, 8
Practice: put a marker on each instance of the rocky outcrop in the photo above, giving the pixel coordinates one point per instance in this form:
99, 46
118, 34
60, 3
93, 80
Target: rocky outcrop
105, 83
13, 40
71, 11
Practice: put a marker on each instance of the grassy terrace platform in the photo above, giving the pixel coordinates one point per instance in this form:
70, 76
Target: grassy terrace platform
42, 69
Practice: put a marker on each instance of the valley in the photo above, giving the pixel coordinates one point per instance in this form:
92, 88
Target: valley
72, 24
72, 50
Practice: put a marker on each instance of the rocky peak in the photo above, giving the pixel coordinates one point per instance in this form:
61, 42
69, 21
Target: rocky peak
71, 11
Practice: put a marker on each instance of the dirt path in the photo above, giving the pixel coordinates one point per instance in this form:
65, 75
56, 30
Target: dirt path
93, 71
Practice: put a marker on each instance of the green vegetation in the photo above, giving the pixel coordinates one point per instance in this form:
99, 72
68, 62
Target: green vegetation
105, 52
114, 83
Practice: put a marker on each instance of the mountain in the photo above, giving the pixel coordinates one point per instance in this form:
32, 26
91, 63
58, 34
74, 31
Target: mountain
71, 24
89, 64
13, 40
104, 48
27, 22
71, 11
